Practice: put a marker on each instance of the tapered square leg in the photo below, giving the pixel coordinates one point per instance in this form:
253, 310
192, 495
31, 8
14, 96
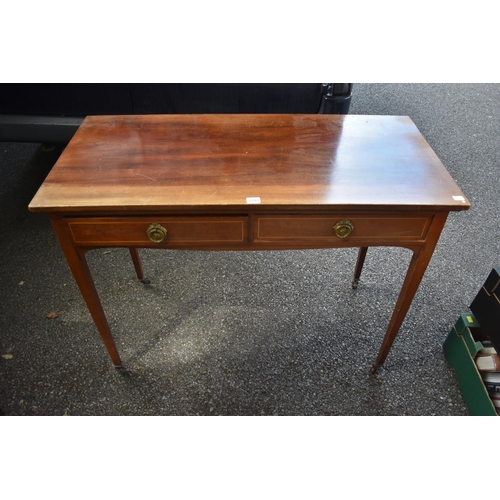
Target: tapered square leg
419, 262
359, 266
134, 253
78, 265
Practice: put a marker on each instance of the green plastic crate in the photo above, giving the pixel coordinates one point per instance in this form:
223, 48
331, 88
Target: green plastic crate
460, 348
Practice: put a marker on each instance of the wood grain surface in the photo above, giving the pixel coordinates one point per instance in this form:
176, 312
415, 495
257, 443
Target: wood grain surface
176, 162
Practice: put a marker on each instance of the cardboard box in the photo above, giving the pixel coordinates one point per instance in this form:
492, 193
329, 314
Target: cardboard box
486, 307
460, 348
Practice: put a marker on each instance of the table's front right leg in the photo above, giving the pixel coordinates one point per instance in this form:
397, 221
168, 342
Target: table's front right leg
419, 262
78, 265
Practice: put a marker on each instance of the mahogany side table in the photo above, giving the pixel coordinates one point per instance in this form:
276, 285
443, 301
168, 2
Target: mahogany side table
248, 182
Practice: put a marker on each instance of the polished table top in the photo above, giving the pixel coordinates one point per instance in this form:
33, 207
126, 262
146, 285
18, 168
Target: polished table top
200, 162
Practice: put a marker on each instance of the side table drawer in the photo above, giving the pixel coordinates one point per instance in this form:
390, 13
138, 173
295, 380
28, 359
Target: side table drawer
340, 227
171, 231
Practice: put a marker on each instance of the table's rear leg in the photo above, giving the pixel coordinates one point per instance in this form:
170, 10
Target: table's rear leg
134, 253
78, 265
359, 266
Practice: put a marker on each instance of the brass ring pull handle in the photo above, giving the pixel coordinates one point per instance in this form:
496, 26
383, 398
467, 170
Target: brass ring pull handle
156, 233
343, 228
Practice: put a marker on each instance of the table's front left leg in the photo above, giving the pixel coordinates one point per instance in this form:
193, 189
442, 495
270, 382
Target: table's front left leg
78, 265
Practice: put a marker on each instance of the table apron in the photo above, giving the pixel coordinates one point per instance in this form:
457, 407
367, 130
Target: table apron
251, 232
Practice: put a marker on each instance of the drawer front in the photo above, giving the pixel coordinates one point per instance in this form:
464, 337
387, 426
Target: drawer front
340, 228
179, 231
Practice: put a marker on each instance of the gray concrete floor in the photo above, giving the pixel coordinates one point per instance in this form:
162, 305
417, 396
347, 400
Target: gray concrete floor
265, 333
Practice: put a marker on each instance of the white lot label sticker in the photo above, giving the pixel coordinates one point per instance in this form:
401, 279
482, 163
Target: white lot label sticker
253, 201
459, 198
